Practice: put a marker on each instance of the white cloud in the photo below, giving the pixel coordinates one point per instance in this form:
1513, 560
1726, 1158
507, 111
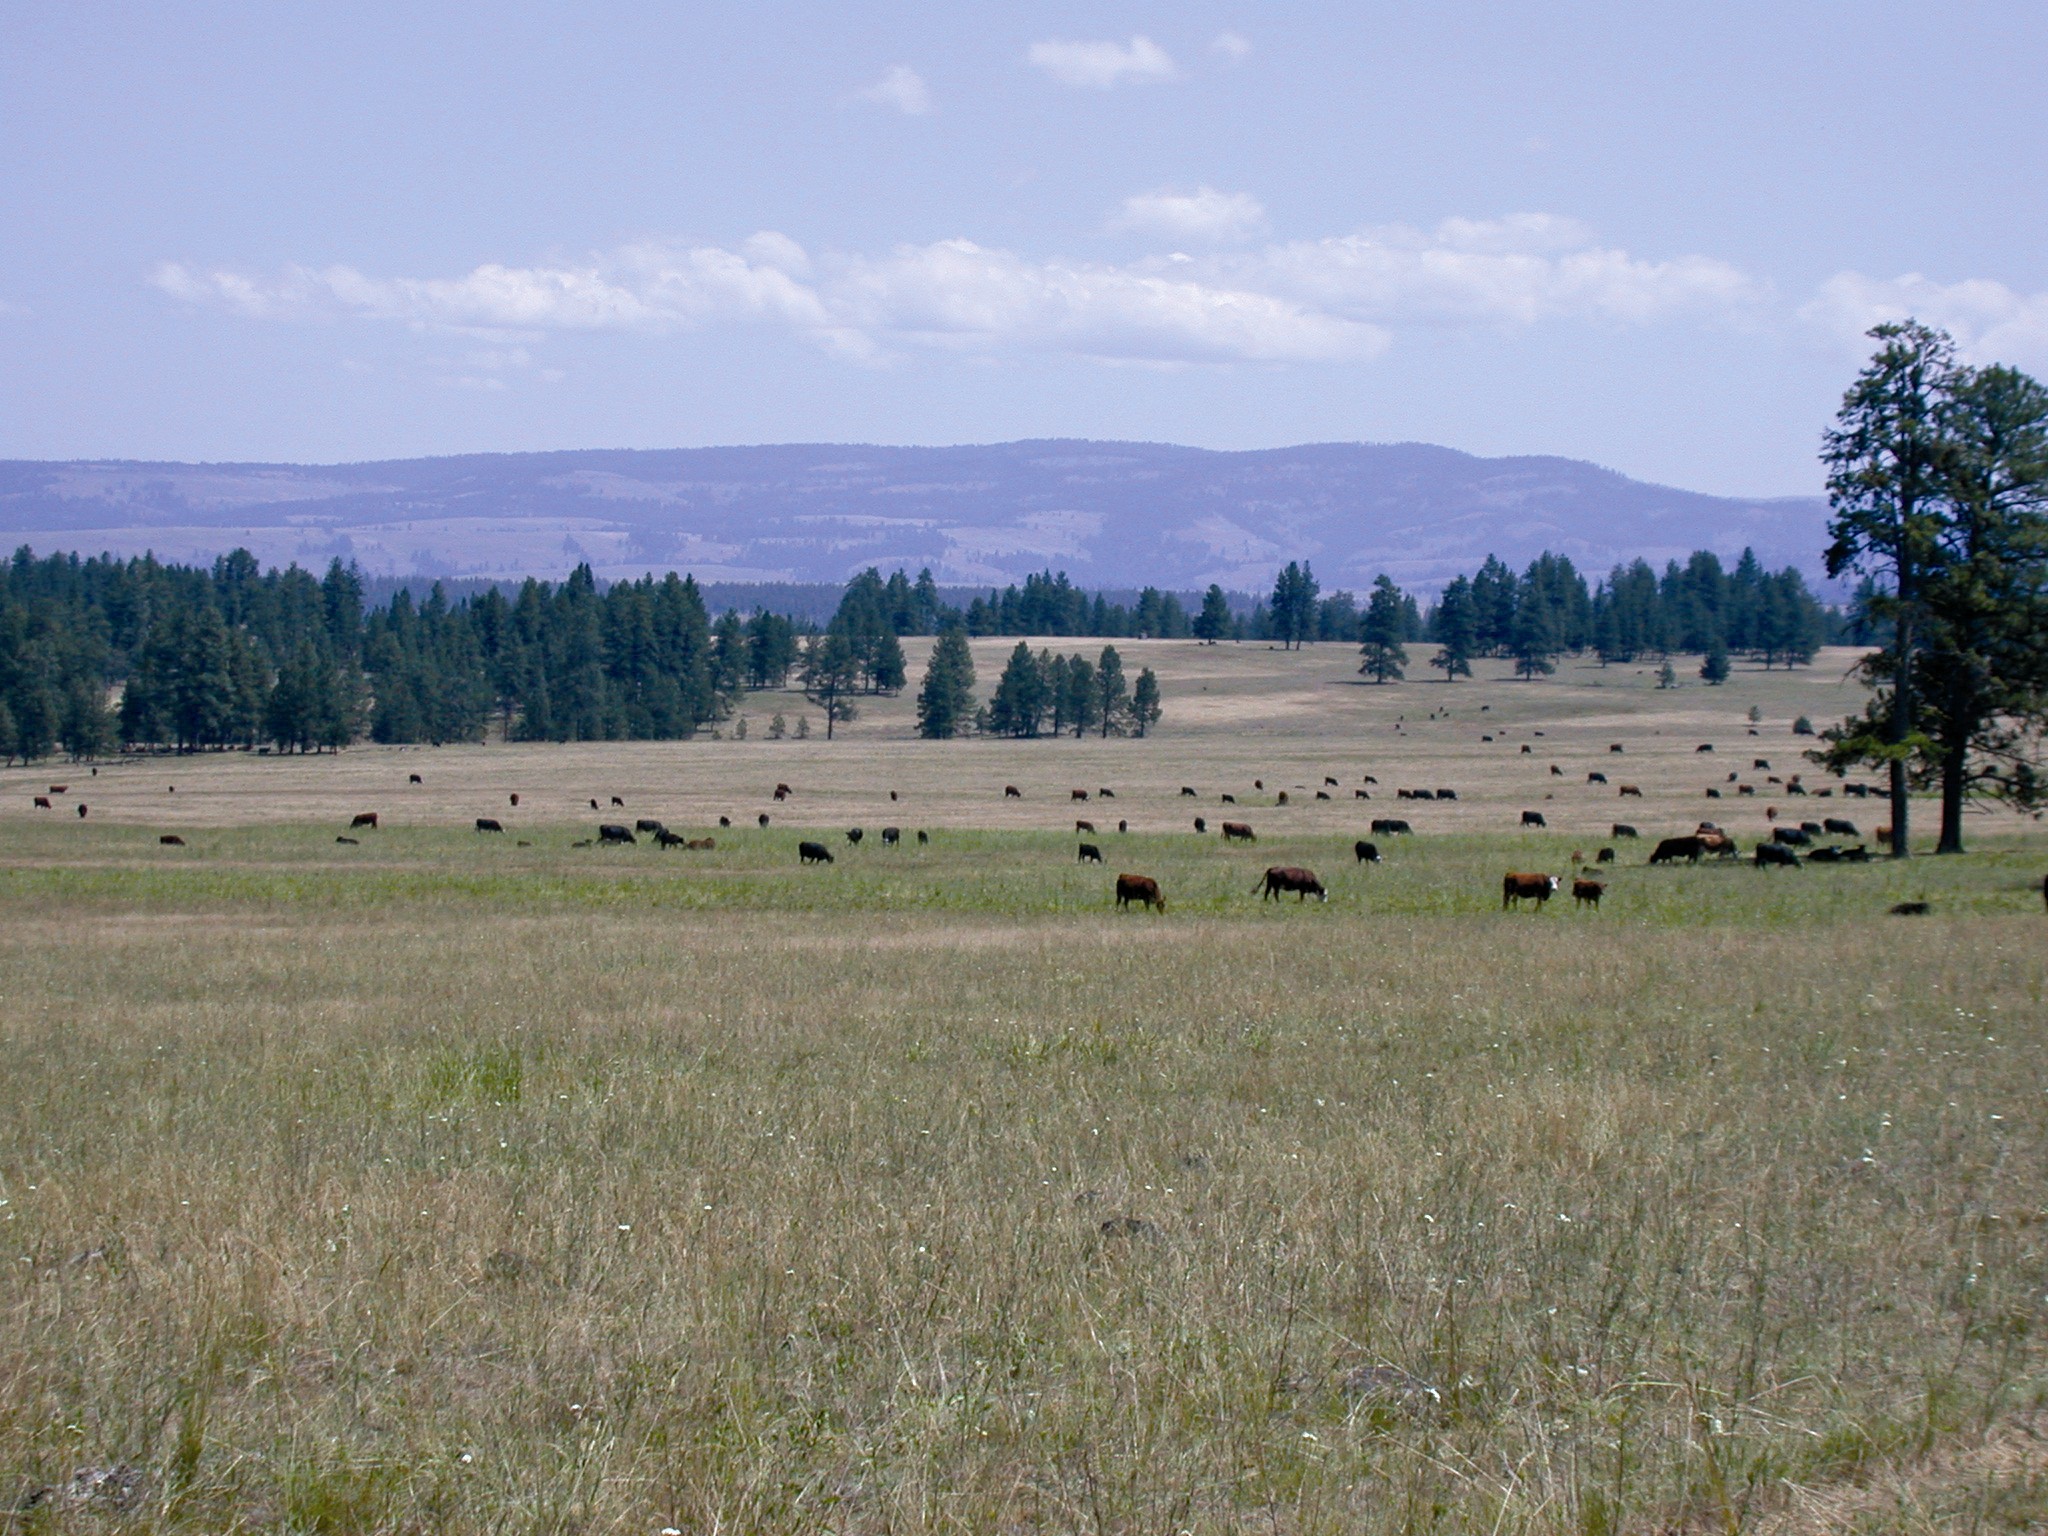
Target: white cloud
1203, 214
1990, 322
902, 88
1231, 45
1103, 64
1300, 301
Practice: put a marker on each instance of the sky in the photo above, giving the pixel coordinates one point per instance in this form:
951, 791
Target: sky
1643, 234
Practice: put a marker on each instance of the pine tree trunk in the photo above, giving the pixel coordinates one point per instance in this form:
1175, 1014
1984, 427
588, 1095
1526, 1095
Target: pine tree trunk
1954, 768
1901, 727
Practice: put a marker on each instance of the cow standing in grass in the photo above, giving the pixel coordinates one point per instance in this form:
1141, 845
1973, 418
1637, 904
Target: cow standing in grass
1516, 888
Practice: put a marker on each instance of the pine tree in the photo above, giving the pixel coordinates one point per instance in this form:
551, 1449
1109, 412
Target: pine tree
1715, 667
1533, 641
945, 704
1213, 623
1109, 690
1079, 702
1019, 704
1457, 631
1145, 708
831, 677
1381, 632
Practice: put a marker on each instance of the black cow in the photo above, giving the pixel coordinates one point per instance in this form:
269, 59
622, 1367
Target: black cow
646, 824
1359, 794
1705, 746
413, 778
1089, 854
1604, 856
489, 824
1596, 778
1623, 829
1533, 819
612, 832
1687, 848
923, 837
1368, 853
172, 840
813, 853
1791, 837
1186, 793
669, 839
1388, 826
1012, 792
1837, 826
618, 802
854, 835
891, 836
763, 819
1447, 794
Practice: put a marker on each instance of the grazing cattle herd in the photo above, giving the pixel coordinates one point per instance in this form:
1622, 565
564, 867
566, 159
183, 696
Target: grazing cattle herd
1781, 849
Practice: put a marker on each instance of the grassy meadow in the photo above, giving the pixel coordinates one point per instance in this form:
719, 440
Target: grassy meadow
440, 1183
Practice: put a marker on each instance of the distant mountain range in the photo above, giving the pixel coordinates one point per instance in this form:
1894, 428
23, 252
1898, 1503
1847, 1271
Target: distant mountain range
1109, 514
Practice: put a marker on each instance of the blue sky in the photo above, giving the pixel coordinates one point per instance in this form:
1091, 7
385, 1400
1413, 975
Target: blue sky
1642, 234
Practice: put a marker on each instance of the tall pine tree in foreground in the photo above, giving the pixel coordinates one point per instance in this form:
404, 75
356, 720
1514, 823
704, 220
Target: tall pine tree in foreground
1381, 632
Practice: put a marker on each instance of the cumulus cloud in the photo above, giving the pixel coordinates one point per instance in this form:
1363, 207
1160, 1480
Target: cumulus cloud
902, 88
1231, 45
1990, 322
1342, 298
1203, 214
1103, 64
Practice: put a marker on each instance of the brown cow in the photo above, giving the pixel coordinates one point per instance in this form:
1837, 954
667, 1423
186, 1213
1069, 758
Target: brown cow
1077, 794
1516, 888
1281, 798
60, 789
1142, 889
704, 844
1629, 791
1587, 893
783, 791
1238, 832
515, 800
1290, 877
363, 819
1083, 826
81, 810
42, 802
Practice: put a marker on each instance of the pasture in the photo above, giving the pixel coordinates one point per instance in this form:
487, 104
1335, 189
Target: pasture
440, 1183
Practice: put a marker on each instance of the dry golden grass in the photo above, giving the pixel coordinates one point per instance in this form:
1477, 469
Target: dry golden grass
444, 1185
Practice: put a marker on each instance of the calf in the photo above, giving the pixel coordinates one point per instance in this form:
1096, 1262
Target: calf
668, 839
1142, 889
611, 832
1369, 853
363, 819
1687, 848
1837, 826
1238, 832
854, 835
813, 853
1516, 888
1289, 877
1533, 819
489, 824
1622, 829
1083, 826
352, 842
706, 844
1587, 893
1088, 854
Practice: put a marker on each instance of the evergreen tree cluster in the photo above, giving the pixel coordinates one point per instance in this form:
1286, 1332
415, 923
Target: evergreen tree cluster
1049, 604
1054, 695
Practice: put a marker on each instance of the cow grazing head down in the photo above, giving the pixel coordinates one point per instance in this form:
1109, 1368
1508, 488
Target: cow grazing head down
1142, 889
1282, 878
813, 853
1367, 853
1587, 893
